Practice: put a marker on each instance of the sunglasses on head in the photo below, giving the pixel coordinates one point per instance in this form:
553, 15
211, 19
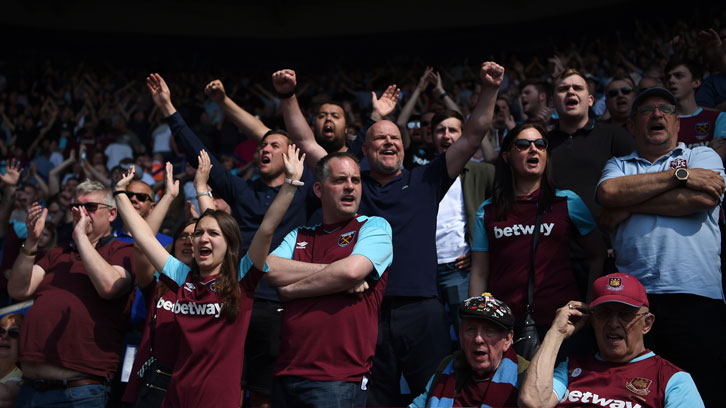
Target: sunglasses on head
139, 196
12, 332
626, 90
90, 207
523, 144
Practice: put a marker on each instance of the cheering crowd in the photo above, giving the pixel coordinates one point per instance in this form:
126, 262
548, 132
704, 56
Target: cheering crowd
495, 235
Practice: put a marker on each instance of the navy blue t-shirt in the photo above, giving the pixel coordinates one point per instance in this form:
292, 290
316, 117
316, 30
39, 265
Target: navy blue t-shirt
410, 203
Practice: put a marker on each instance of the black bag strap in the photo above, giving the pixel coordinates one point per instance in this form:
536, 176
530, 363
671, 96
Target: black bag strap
535, 241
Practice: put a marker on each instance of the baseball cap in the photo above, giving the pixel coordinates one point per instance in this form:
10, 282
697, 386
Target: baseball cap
655, 91
487, 307
620, 288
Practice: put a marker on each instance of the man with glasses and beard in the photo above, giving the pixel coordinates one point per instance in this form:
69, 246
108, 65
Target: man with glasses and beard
82, 291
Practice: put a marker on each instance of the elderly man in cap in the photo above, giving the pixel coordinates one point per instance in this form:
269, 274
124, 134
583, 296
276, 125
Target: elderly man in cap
485, 372
623, 373
661, 203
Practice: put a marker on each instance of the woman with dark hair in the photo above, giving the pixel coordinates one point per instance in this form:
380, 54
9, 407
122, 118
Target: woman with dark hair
214, 294
505, 224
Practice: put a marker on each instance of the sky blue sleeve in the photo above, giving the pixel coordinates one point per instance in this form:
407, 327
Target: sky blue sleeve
720, 129
479, 239
176, 270
560, 380
376, 243
706, 158
287, 246
246, 264
613, 168
420, 401
579, 213
681, 391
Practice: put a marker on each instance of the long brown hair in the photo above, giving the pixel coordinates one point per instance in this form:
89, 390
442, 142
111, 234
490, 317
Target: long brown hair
161, 288
227, 284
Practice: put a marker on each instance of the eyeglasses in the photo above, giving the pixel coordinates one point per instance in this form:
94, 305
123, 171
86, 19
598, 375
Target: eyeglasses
523, 144
486, 332
184, 236
626, 90
625, 316
12, 332
139, 196
90, 207
648, 110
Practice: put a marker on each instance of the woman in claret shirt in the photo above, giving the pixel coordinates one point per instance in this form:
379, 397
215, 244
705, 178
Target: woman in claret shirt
504, 229
214, 294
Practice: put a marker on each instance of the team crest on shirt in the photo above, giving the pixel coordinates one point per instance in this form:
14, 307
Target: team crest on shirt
346, 238
702, 129
189, 286
576, 372
615, 284
679, 164
639, 385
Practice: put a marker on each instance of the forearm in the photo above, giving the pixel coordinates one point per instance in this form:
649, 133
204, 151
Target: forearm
286, 271
144, 237
260, 245
108, 280
157, 215
250, 125
479, 277
20, 281
300, 132
538, 388
677, 202
337, 277
407, 109
630, 190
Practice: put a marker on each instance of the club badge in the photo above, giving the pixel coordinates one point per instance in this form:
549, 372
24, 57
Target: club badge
346, 238
639, 385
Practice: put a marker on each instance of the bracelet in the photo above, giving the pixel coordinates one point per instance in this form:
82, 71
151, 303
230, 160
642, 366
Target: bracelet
26, 252
206, 193
442, 96
286, 95
117, 192
296, 183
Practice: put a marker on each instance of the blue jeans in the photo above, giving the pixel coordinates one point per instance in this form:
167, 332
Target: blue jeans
292, 392
86, 396
454, 288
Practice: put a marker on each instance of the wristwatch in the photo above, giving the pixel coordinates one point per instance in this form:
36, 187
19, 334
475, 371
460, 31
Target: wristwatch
206, 193
296, 183
681, 176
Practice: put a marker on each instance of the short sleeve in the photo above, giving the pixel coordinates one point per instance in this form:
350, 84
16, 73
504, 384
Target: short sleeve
479, 239
287, 246
579, 213
560, 380
613, 168
720, 129
376, 243
176, 270
681, 391
246, 264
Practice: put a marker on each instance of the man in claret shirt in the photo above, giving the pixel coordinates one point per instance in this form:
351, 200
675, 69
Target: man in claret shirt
331, 278
623, 373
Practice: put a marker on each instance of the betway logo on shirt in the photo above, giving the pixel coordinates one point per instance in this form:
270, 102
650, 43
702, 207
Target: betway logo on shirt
189, 308
590, 398
519, 229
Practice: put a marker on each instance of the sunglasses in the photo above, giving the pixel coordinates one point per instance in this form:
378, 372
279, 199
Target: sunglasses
523, 144
12, 332
139, 196
626, 90
649, 109
90, 207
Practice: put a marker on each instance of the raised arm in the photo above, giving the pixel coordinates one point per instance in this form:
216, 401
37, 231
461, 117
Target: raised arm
171, 191
260, 245
247, 123
10, 179
441, 93
25, 276
201, 177
460, 152
538, 388
298, 128
410, 104
479, 278
386, 104
109, 280
144, 237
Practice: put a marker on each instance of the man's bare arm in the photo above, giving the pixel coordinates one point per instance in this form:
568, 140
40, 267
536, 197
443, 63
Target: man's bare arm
246, 122
298, 128
285, 271
339, 276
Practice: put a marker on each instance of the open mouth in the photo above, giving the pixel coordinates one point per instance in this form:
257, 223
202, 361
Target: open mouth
328, 130
533, 160
348, 199
265, 159
388, 152
656, 127
205, 252
571, 102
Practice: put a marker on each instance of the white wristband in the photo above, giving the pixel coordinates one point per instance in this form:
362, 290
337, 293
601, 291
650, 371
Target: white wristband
206, 193
296, 183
